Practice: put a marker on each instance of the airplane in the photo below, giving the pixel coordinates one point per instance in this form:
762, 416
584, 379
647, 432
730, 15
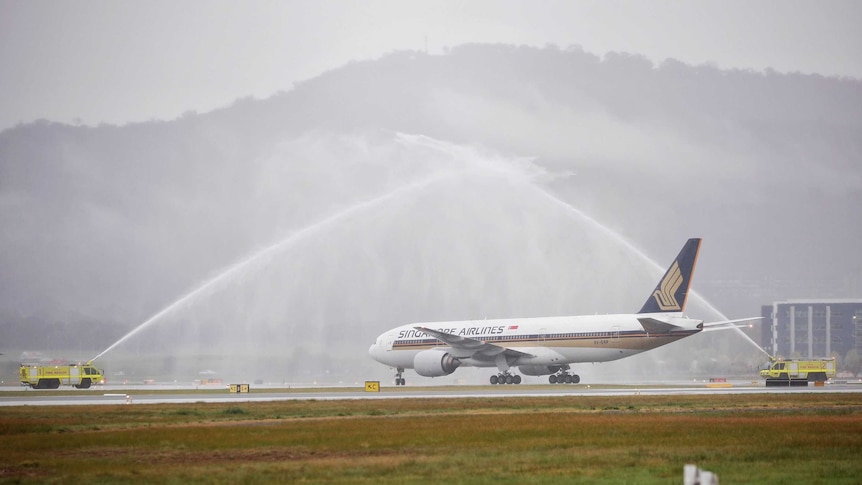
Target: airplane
548, 345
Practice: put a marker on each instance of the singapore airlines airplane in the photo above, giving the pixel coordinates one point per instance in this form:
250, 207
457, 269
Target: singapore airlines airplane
543, 346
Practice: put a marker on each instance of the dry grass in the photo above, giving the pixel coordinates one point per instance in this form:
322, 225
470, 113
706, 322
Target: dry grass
792, 438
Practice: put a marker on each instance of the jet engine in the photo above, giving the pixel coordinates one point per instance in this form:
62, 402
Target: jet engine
541, 370
433, 363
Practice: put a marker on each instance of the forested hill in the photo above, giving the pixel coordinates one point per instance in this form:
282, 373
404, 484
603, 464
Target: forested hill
114, 222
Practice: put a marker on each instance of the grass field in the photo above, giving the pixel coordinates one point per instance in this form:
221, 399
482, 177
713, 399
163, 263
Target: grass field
771, 438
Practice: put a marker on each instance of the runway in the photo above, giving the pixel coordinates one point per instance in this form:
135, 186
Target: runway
108, 395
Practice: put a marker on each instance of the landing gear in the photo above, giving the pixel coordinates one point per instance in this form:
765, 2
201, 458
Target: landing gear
506, 378
564, 378
399, 380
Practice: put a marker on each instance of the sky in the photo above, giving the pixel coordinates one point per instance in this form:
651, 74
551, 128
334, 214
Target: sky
95, 62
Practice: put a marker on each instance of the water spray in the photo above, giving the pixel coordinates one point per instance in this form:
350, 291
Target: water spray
470, 161
526, 178
281, 245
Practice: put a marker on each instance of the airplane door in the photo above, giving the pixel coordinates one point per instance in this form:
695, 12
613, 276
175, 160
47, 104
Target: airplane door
615, 331
543, 334
388, 341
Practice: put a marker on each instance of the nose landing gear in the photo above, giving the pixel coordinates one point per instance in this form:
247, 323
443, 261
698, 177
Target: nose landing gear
399, 380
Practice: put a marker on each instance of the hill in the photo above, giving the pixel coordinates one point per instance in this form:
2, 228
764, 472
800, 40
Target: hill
505, 179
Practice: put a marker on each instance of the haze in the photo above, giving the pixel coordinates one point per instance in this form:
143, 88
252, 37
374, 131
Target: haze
524, 175
101, 61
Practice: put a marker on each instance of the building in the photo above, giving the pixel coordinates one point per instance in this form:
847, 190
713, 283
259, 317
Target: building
812, 328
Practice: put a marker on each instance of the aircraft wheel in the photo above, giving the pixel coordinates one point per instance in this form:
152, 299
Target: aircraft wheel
508, 379
517, 379
568, 379
576, 379
552, 379
493, 380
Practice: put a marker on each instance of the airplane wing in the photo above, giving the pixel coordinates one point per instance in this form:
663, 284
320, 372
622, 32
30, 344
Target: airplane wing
466, 347
729, 324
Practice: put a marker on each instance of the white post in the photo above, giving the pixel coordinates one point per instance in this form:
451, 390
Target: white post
692, 475
689, 475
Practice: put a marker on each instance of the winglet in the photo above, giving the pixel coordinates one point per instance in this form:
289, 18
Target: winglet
671, 292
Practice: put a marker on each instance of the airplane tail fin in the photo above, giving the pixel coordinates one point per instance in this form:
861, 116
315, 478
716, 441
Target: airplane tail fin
671, 292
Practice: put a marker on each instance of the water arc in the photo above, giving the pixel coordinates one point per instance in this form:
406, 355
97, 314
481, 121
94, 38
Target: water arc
485, 239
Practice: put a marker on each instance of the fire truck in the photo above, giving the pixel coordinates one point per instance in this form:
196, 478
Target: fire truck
49, 376
797, 372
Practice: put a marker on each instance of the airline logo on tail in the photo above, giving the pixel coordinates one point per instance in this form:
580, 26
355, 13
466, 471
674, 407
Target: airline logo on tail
671, 292
664, 294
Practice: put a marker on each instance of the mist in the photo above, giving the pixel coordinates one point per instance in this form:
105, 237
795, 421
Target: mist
284, 234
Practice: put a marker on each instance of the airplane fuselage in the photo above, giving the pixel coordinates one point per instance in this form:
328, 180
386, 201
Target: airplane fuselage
544, 341
545, 346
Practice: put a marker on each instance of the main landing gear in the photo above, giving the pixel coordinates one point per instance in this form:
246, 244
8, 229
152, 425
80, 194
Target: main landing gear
564, 378
506, 378
399, 380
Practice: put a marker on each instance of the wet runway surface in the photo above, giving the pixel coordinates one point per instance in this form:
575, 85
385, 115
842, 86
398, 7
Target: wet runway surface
101, 395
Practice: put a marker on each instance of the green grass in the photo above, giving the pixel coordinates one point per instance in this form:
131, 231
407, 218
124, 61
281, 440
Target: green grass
773, 438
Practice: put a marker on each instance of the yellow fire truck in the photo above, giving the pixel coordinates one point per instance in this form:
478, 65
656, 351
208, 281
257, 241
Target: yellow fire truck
49, 376
796, 372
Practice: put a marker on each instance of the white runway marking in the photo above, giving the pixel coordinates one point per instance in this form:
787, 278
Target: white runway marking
100, 397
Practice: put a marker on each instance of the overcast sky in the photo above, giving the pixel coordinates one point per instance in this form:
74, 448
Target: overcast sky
116, 62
